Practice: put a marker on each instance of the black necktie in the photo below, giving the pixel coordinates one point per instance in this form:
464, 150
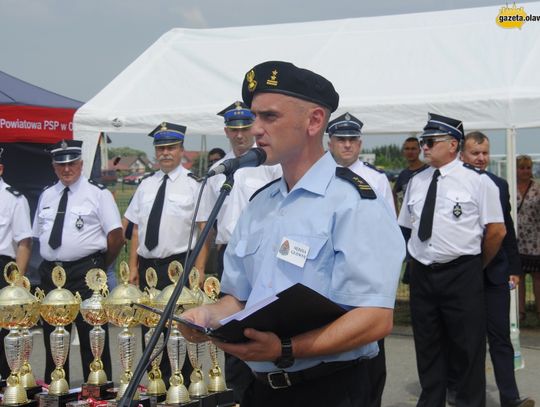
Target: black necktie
55, 238
152, 231
426, 219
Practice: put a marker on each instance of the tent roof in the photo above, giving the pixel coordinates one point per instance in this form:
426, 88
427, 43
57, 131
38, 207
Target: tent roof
14, 91
389, 71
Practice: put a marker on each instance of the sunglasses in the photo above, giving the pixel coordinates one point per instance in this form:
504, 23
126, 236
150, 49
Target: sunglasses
430, 142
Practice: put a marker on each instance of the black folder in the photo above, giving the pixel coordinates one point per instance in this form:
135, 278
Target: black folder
291, 312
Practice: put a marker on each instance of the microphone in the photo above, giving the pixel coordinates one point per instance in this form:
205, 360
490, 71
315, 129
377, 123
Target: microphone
253, 158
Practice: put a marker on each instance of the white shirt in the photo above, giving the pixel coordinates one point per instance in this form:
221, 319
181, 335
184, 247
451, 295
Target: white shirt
178, 209
14, 220
246, 182
376, 180
91, 213
467, 200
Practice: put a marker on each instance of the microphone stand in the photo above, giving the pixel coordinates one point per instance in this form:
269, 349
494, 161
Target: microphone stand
168, 311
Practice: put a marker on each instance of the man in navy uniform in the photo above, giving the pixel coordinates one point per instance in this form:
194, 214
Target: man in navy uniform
315, 207
15, 242
78, 226
505, 268
457, 227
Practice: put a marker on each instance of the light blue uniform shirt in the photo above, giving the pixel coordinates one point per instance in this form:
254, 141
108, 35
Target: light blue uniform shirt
355, 249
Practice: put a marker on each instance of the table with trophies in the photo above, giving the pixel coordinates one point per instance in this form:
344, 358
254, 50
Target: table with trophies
123, 307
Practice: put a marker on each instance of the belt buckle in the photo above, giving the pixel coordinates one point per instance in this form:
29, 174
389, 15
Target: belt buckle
285, 381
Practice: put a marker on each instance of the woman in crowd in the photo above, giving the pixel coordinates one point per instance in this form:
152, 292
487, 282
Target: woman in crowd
528, 209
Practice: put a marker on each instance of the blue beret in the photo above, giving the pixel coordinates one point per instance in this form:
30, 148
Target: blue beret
237, 115
285, 78
168, 133
66, 151
438, 125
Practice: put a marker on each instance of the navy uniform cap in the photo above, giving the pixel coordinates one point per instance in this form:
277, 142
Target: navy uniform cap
438, 125
345, 125
288, 79
237, 116
167, 134
66, 151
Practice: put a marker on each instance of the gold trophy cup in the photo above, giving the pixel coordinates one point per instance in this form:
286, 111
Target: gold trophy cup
176, 345
19, 310
156, 385
59, 308
121, 311
93, 312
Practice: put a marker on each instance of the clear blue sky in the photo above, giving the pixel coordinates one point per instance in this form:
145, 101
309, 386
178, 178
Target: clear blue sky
76, 48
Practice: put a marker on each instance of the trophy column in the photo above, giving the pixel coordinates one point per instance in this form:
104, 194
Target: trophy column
59, 308
97, 386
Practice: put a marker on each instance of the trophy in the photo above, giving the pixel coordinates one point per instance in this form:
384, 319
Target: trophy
93, 312
176, 345
156, 385
18, 310
59, 308
120, 310
27, 375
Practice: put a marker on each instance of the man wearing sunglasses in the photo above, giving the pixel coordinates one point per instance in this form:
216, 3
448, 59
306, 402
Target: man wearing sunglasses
457, 226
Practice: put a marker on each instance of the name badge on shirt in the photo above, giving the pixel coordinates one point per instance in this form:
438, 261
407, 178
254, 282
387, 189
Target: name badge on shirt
293, 252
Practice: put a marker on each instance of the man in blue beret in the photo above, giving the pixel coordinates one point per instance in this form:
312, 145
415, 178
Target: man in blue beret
298, 230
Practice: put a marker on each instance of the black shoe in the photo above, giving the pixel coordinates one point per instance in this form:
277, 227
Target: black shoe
522, 402
451, 397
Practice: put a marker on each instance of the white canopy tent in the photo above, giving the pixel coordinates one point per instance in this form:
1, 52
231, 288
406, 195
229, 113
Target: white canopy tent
389, 71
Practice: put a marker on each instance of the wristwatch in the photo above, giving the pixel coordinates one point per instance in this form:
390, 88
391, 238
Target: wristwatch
286, 359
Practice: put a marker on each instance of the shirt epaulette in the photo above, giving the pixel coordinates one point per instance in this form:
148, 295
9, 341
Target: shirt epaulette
47, 187
373, 167
471, 167
263, 188
363, 188
147, 175
14, 191
97, 184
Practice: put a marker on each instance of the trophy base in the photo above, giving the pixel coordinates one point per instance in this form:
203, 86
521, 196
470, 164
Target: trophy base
98, 391
206, 401
29, 403
192, 403
144, 401
52, 400
224, 398
32, 392
155, 398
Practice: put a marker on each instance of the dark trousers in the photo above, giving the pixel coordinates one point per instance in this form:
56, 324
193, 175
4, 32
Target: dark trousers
498, 333
377, 375
448, 318
161, 266
345, 388
4, 367
497, 297
75, 281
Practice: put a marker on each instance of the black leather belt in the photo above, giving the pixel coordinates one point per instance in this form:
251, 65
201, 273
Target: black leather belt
74, 262
166, 260
6, 259
455, 262
280, 379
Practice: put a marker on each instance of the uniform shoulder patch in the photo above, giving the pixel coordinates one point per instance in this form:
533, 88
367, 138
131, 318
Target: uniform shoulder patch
97, 184
373, 167
363, 188
14, 191
471, 167
263, 188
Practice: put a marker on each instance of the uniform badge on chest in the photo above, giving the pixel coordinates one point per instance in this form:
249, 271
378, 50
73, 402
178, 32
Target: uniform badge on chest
457, 210
79, 223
